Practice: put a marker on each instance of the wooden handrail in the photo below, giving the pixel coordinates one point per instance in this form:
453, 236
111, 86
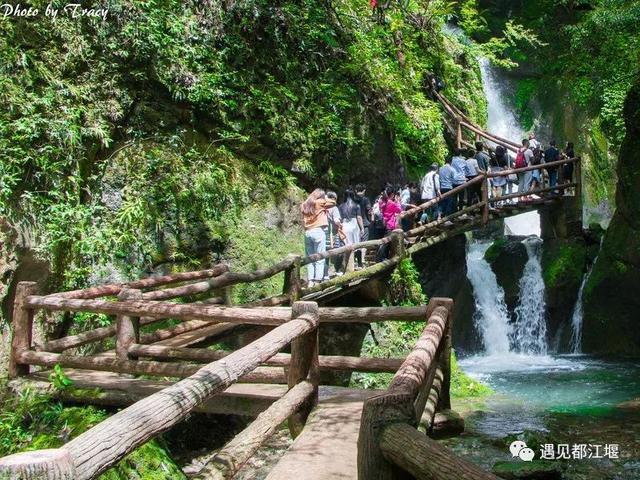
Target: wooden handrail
94, 451
413, 211
541, 166
114, 289
425, 459
408, 392
258, 316
327, 314
430, 203
327, 362
225, 280
344, 249
411, 375
532, 192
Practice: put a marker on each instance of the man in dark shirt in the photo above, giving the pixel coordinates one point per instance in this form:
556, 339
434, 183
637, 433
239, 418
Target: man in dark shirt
365, 209
482, 157
552, 154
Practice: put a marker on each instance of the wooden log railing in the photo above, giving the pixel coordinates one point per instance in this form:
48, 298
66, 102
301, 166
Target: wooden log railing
94, 451
389, 444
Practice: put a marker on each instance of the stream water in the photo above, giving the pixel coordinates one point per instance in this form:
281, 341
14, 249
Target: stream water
540, 397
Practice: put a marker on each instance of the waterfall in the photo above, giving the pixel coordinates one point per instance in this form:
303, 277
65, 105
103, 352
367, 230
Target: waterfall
491, 316
529, 334
501, 118
576, 318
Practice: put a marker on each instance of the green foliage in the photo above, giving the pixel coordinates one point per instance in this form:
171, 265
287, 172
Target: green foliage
587, 48
30, 421
265, 233
404, 285
135, 142
463, 386
59, 379
525, 91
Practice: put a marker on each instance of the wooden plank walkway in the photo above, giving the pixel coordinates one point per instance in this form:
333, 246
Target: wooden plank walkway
327, 448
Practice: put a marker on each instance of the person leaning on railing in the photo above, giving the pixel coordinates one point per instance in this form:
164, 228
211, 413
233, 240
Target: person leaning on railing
335, 237
314, 216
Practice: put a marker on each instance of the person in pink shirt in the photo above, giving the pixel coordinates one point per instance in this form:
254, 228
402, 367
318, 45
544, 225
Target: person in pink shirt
390, 209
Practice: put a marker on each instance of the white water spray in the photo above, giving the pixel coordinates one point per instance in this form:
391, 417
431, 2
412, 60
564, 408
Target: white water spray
529, 334
578, 313
576, 319
491, 316
501, 119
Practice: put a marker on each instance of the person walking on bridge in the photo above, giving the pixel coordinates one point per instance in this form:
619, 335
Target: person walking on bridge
351, 224
459, 165
447, 173
498, 164
472, 170
429, 190
367, 218
524, 159
552, 154
567, 170
314, 216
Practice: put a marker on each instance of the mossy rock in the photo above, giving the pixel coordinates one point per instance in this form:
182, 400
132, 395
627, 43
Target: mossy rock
507, 257
563, 263
612, 294
534, 470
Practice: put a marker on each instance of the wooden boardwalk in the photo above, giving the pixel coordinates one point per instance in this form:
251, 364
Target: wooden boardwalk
327, 448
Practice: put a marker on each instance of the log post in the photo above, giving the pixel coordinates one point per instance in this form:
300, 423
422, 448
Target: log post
397, 244
444, 400
484, 194
127, 327
291, 285
22, 327
227, 295
377, 413
304, 364
51, 464
458, 133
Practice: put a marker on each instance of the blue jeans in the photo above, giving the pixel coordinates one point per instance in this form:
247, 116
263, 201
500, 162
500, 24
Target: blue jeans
315, 242
448, 205
553, 179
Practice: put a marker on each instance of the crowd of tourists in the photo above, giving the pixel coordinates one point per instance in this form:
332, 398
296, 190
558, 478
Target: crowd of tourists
331, 222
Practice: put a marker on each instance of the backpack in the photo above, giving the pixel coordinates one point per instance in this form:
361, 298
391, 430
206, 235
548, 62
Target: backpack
537, 157
520, 160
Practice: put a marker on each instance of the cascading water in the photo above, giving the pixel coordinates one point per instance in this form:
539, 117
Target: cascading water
529, 333
491, 316
576, 320
501, 120
577, 317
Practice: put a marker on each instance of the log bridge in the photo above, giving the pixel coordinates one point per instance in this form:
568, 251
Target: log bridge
351, 434
340, 433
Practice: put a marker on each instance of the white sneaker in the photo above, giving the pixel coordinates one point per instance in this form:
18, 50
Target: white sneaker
339, 274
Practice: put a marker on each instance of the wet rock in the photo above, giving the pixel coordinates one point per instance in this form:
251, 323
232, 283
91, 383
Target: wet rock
507, 257
612, 294
535, 470
631, 405
563, 268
